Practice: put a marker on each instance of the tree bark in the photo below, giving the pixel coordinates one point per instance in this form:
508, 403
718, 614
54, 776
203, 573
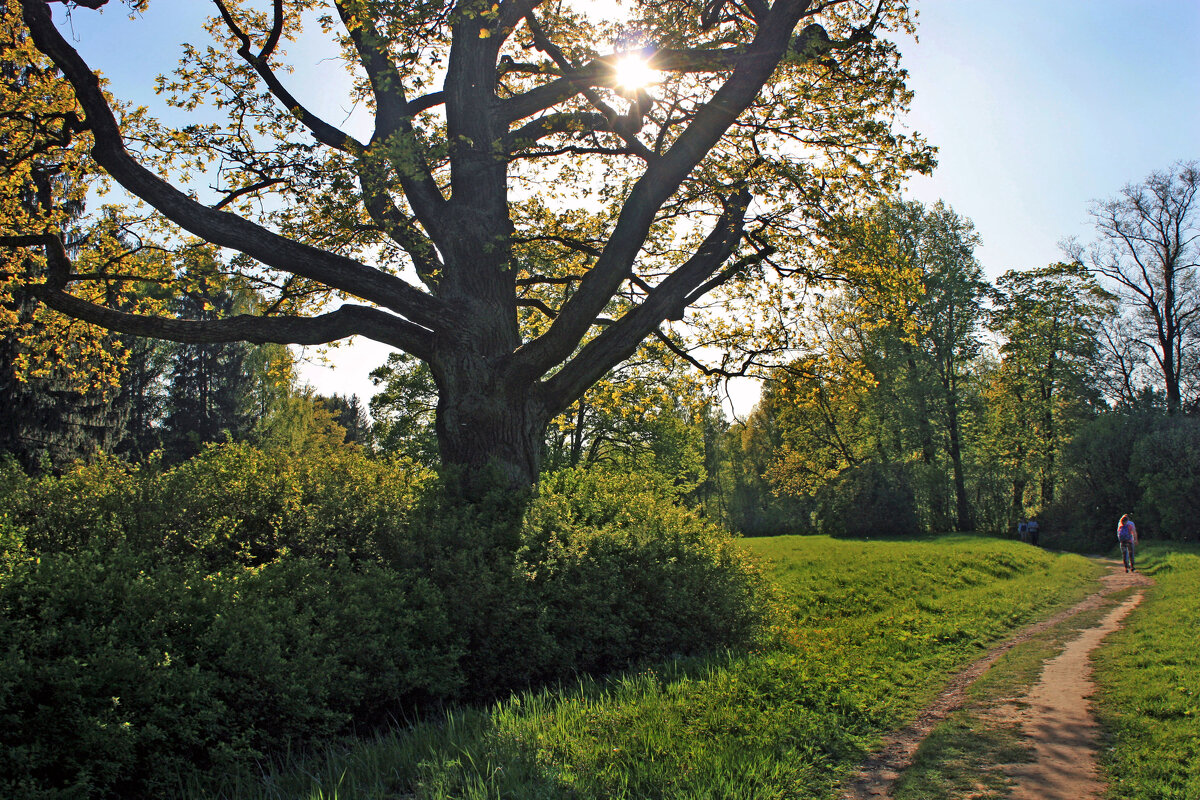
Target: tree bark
1018, 497
481, 427
485, 419
963, 505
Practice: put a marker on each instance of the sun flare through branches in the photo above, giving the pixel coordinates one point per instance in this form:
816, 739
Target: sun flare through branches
634, 72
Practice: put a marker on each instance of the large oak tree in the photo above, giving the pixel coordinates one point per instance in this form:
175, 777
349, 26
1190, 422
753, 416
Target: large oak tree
515, 216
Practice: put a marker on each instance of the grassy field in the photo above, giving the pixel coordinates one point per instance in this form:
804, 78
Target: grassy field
872, 631
1149, 698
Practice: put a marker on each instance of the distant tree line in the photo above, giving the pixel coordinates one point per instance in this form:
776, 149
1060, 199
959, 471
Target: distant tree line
923, 398
930, 400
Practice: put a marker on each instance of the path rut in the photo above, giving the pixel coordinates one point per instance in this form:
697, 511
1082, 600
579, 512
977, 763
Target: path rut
1057, 719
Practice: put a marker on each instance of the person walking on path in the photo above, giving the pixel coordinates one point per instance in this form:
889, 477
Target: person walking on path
1127, 536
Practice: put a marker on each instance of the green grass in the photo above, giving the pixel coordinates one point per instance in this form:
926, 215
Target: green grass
962, 757
872, 632
1149, 679
959, 759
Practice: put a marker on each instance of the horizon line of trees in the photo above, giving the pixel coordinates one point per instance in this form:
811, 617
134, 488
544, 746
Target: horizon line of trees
925, 398
931, 400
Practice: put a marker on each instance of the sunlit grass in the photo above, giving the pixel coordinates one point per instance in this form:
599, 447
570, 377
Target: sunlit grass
875, 630
1149, 678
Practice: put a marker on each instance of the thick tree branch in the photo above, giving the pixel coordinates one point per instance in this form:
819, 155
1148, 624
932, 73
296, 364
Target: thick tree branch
393, 120
544, 280
268, 48
571, 243
601, 72
812, 45
349, 320
566, 122
218, 227
663, 177
574, 150
425, 102
726, 274
401, 230
665, 301
538, 304
513, 11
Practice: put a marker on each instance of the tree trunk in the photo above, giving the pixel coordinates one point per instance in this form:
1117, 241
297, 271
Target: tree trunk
1049, 426
1170, 371
1018, 498
577, 435
1048, 480
486, 422
963, 505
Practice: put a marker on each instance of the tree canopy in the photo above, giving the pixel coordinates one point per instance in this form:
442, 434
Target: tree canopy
1148, 250
518, 216
889, 354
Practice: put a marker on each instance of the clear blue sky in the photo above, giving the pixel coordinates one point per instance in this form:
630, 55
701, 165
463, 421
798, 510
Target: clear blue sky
1038, 107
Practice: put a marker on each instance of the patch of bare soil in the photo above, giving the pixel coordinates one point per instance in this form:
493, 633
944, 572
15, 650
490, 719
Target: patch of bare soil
1058, 722
1065, 752
1057, 718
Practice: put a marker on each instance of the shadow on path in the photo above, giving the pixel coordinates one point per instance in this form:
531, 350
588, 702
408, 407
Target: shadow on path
1057, 721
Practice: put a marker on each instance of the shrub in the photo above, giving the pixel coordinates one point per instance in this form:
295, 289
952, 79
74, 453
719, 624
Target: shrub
232, 504
238, 504
118, 677
243, 603
601, 570
463, 540
94, 505
623, 574
14, 488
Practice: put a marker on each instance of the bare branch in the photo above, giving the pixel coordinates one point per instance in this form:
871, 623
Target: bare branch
324, 133
245, 190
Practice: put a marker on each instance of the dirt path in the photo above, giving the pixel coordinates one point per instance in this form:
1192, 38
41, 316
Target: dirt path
1057, 721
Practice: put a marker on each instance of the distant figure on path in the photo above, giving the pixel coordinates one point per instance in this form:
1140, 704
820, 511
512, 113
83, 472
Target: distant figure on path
1023, 530
1033, 529
1127, 536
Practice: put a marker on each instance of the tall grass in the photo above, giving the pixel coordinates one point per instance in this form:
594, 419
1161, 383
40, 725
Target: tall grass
872, 631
